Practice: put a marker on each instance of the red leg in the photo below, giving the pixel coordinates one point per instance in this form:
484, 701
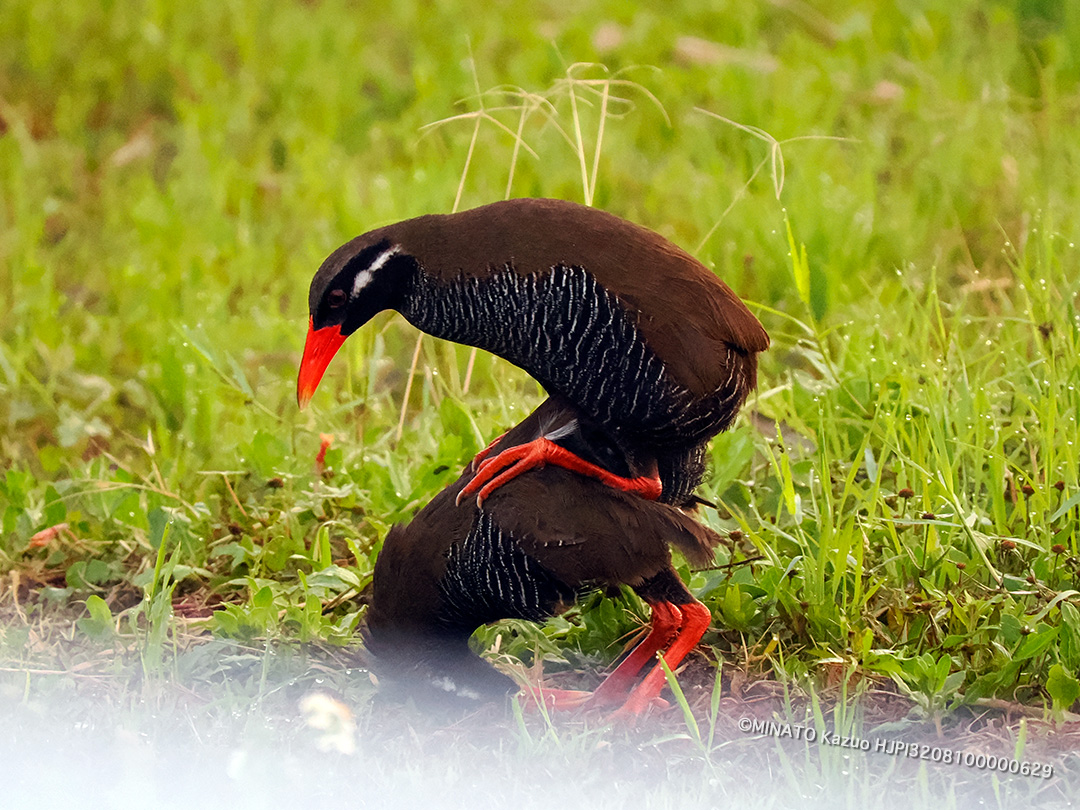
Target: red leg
516, 460
695, 621
666, 619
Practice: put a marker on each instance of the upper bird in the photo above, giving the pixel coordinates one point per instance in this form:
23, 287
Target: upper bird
630, 328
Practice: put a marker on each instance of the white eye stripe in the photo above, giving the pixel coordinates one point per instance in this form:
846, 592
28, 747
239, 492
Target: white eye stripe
363, 278
384, 257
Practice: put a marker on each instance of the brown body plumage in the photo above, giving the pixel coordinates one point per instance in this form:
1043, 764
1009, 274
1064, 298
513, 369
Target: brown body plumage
631, 329
686, 313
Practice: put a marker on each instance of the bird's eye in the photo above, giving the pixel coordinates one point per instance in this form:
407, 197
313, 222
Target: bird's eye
336, 299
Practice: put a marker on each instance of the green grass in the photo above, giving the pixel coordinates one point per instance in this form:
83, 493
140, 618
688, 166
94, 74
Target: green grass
893, 191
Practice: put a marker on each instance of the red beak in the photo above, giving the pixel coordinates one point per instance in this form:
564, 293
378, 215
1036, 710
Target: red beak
319, 349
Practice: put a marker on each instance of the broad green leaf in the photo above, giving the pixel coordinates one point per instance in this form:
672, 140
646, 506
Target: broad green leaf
1063, 687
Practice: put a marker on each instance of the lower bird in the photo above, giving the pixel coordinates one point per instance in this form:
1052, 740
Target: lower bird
535, 545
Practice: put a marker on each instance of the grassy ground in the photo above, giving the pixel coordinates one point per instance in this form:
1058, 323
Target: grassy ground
894, 191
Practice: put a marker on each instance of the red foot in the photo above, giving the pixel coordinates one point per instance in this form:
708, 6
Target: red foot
695, 621
562, 700
666, 619
516, 460
553, 699
682, 625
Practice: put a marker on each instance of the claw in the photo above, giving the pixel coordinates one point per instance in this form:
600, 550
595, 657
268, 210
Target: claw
484, 453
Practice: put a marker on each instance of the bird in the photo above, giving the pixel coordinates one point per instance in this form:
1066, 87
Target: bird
632, 330
536, 544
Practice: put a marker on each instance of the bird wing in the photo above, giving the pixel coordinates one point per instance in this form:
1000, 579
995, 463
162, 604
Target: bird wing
585, 531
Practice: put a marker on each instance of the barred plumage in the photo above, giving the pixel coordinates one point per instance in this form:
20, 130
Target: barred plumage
488, 577
578, 339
